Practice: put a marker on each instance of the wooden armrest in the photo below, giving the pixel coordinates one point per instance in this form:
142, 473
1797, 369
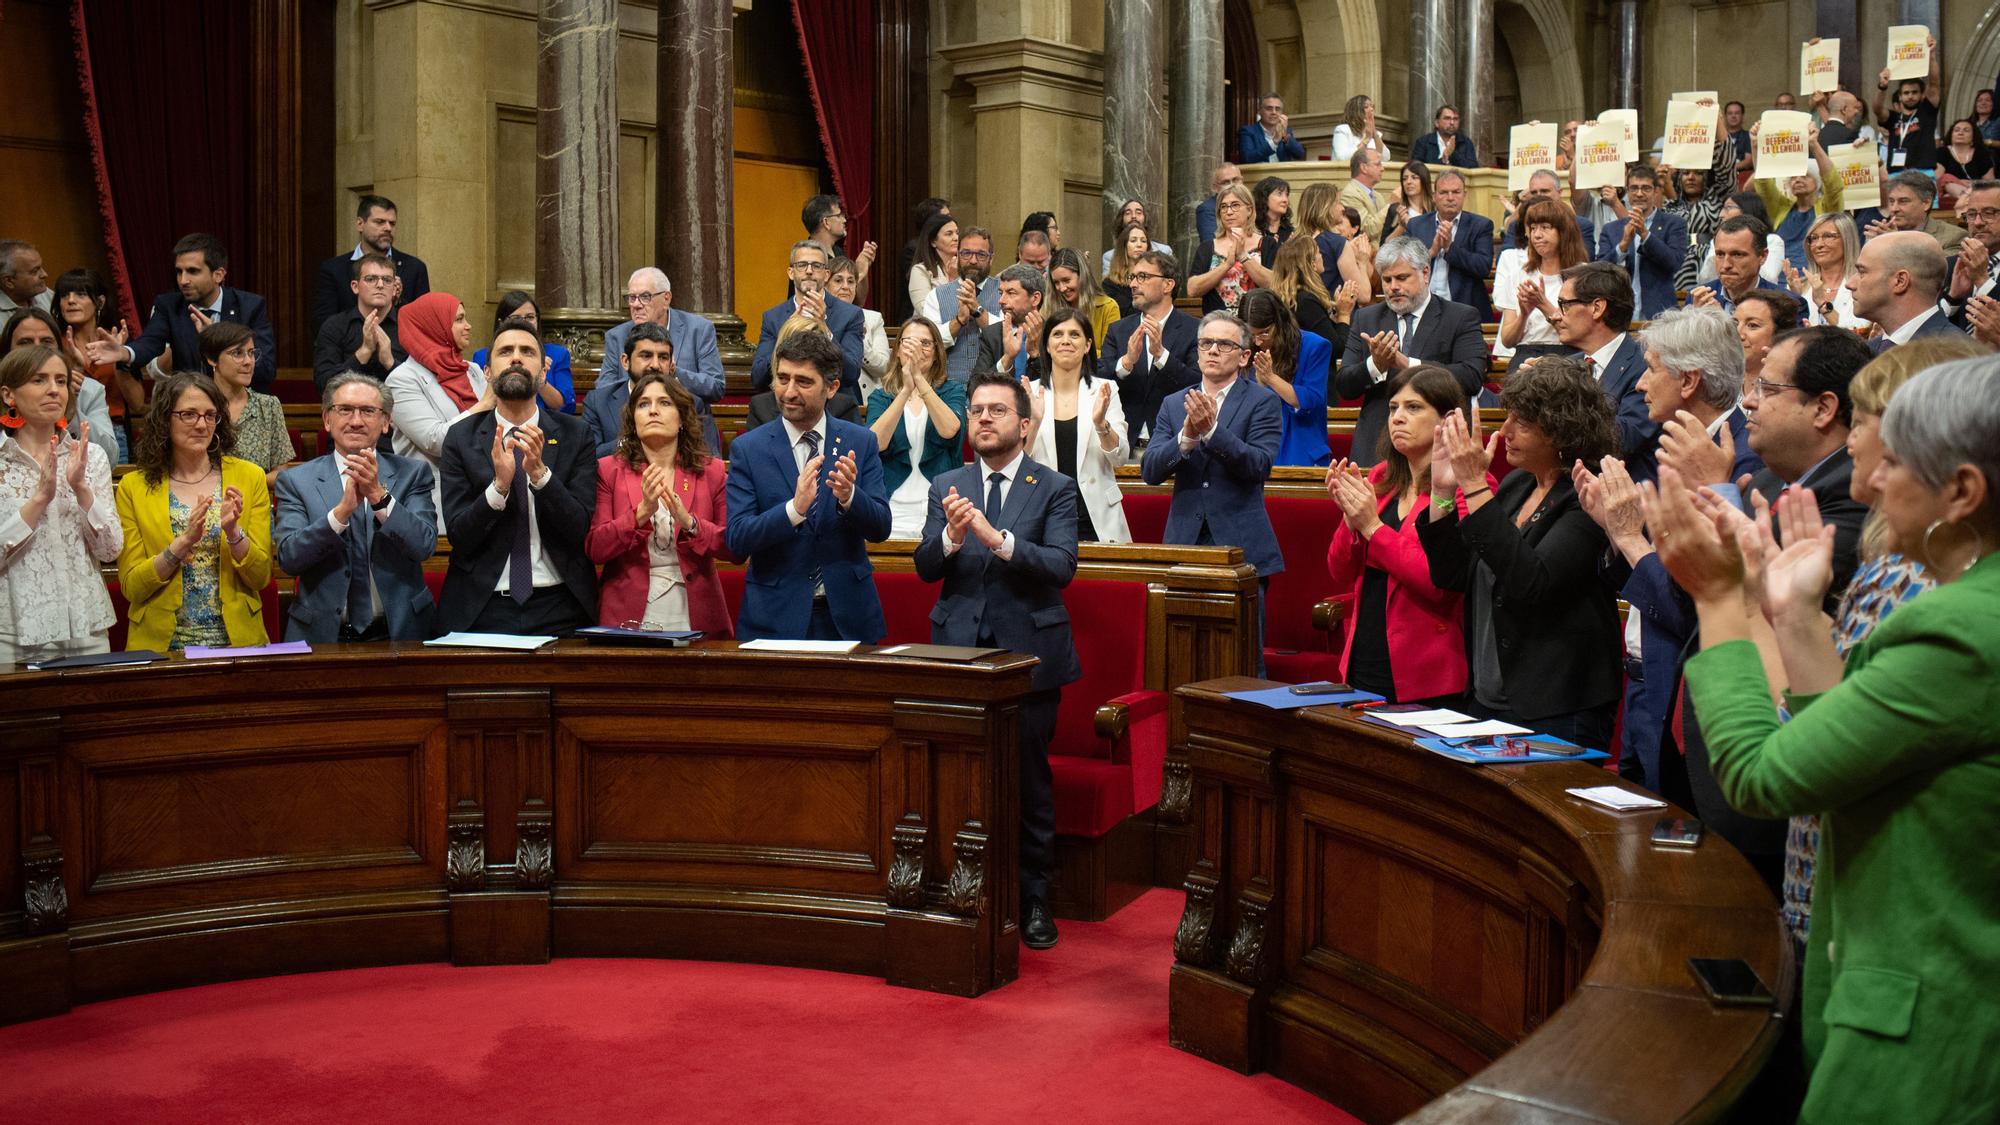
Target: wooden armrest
1117, 716
1328, 613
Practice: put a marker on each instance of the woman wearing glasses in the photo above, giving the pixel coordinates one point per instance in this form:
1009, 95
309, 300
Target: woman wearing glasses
197, 526
1232, 263
918, 415
230, 353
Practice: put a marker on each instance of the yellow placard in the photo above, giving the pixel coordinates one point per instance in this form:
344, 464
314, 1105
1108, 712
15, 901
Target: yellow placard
1819, 67
1781, 144
1530, 148
1690, 136
1600, 156
1629, 120
1909, 52
1858, 169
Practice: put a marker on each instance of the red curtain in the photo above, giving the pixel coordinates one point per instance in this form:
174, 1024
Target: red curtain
837, 39
170, 109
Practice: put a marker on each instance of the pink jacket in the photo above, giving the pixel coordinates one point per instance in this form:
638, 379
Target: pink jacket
619, 543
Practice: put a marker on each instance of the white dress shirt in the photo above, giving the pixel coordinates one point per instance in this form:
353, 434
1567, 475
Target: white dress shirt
1902, 335
545, 573
1601, 358
1189, 441
1416, 316
1005, 551
800, 455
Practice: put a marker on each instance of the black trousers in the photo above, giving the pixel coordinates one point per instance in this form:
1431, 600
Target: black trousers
1038, 799
552, 611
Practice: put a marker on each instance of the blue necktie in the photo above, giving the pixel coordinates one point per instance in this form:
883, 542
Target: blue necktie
811, 438
360, 543
520, 562
993, 497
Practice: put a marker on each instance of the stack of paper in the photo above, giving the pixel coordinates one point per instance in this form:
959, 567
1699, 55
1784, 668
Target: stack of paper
1616, 799
508, 641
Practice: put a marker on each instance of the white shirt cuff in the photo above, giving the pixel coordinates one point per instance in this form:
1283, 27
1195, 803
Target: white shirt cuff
335, 523
495, 499
1006, 551
792, 512
950, 548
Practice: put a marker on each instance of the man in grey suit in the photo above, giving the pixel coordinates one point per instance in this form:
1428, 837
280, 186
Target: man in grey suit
695, 360
1001, 533
356, 526
1411, 325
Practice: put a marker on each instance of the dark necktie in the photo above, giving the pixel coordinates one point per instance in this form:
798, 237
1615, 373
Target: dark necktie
360, 543
520, 561
993, 497
1405, 327
811, 438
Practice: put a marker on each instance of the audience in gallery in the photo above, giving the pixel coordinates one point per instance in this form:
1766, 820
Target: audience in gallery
1906, 205
1296, 366
843, 283
1412, 197
435, 387
1797, 202
559, 389
1983, 117
1134, 211
1066, 386
1443, 144
1071, 286
1268, 139
918, 418
1357, 131
1233, 262
1296, 280
374, 233
89, 403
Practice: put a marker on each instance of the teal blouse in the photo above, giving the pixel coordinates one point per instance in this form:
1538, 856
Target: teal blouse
939, 455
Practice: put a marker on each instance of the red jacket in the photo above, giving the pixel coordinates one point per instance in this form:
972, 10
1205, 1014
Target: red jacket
619, 543
1426, 625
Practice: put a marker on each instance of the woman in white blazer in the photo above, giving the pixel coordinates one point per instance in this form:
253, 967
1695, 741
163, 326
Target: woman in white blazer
436, 386
1078, 428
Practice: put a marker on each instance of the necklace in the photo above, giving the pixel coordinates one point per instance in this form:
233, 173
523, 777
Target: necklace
202, 479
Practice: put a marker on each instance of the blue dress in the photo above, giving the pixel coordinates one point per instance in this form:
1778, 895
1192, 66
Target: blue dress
1304, 441
559, 373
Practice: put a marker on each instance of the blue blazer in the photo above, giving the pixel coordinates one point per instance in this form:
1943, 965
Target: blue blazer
1221, 482
697, 365
939, 455
1304, 440
308, 548
560, 376
1468, 261
778, 589
1638, 434
1653, 262
1252, 147
1017, 602
172, 324
1204, 220
1463, 154
843, 318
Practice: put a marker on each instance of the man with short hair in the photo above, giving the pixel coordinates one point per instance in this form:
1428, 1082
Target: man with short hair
1543, 184
1365, 168
1151, 353
1650, 244
1906, 205
24, 282
825, 220
647, 349
1407, 327
1909, 126
374, 233
1443, 145
808, 269
1732, 124
693, 360
361, 338
1976, 269
520, 485
1843, 125
1785, 101
355, 526
1461, 244
1009, 343
1225, 174
805, 498
1033, 251
1001, 534
965, 306
1268, 139
1593, 311
1740, 245
178, 318
1896, 280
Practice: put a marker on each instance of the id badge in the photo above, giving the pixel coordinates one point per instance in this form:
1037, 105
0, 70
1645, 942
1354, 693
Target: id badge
1897, 158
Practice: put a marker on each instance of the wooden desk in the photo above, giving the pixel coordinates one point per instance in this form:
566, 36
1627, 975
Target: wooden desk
198, 821
1404, 934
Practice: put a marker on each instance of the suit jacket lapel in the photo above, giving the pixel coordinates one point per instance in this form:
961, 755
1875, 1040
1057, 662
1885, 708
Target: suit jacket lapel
326, 475
1232, 403
1026, 480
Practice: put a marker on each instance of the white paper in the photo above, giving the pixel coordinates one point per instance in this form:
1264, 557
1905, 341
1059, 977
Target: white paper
1860, 175
1628, 119
1697, 95
773, 644
890, 651
1617, 799
1438, 716
1782, 144
1600, 159
1819, 66
490, 640
1487, 729
1909, 52
1690, 135
1530, 148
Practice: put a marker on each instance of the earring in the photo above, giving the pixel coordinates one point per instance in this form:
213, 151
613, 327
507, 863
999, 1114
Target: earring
12, 419
1978, 548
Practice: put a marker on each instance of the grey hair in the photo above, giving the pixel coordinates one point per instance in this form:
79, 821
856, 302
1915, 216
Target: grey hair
1917, 183
805, 243
1948, 416
653, 275
1539, 173
1406, 250
8, 248
350, 378
1027, 277
1699, 339
1221, 316
1448, 174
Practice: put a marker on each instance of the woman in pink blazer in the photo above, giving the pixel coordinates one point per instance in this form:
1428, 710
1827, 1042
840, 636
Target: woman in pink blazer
658, 526
1405, 637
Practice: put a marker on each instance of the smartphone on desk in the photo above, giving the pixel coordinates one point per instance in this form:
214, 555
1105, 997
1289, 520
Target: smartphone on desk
1731, 982
1677, 832
1320, 687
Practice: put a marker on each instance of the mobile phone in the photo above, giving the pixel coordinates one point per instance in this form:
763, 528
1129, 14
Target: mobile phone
1731, 982
1677, 832
1320, 687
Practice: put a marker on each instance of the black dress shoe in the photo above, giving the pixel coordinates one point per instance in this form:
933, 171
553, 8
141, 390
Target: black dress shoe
1038, 926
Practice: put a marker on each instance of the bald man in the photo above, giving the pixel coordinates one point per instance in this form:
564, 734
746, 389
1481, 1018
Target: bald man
1896, 282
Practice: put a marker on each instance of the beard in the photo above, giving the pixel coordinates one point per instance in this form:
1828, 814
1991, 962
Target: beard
975, 274
514, 384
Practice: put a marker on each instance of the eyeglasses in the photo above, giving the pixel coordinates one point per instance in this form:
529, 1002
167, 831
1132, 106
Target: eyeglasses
197, 417
1834, 236
1232, 205
369, 279
1765, 387
923, 342
1564, 304
1218, 346
1135, 275
346, 410
1979, 214
977, 255
642, 298
809, 267
995, 411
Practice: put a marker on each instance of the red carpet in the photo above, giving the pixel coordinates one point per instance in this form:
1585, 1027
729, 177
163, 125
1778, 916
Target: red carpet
1081, 1036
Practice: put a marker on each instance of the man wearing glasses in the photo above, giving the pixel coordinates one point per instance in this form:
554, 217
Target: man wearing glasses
809, 298
692, 356
374, 233
967, 305
1593, 311
1976, 269
361, 338
1151, 353
356, 526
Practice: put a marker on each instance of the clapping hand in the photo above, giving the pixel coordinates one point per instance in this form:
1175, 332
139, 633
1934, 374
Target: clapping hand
1684, 445
841, 481
197, 526
1098, 408
1385, 349
45, 484
655, 485
109, 347
1880, 226
1201, 413
506, 462
1038, 403
958, 513
1529, 296
528, 440
1347, 484
201, 319
864, 259
1344, 300
811, 303
1795, 279
1031, 332
1984, 314
1688, 542
1266, 370
1792, 579
232, 510
1460, 447
79, 459
1971, 267
808, 487
366, 474
1701, 296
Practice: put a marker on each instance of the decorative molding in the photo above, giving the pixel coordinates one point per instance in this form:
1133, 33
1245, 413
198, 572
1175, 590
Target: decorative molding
1245, 962
46, 896
534, 852
1194, 937
965, 891
906, 869
1176, 791
465, 855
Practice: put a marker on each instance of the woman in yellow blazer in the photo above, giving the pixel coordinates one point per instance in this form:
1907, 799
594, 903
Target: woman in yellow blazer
197, 527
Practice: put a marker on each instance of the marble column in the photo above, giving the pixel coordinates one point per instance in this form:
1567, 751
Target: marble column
697, 144
1433, 61
1475, 79
576, 155
1135, 110
1195, 97
1625, 57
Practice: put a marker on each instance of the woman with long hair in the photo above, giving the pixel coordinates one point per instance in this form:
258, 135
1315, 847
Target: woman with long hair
1983, 117
1296, 279
1131, 211
1412, 195
435, 387
1528, 280
229, 353
1296, 365
1072, 287
657, 529
1357, 130
58, 518
88, 404
1832, 245
79, 303
197, 526
1076, 424
1232, 263
1405, 637
1358, 262
937, 258
1962, 160
918, 415
1273, 197
1133, 240
559, 388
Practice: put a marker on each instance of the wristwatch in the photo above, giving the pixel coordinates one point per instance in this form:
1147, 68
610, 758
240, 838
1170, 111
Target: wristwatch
378, 505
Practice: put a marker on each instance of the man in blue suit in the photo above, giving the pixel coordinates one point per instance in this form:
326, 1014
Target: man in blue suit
1593, 312
692, 357
1217, 440
1897, 279
1269, 138
1225, 174
1001, 533
1461, 245
355, 526
200, 263
1650, 244
1739, 248
809, 274
805, 499
1443, 145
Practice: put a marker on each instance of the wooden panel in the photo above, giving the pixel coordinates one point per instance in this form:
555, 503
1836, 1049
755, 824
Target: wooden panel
10, 849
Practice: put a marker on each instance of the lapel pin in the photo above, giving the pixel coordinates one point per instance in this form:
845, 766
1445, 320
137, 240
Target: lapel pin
1031, 479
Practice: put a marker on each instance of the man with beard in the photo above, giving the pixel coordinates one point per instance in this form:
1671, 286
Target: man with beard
1150, 354
967, 305
356, 526
1001, 533
178, 318
1410, 325
519, 484
1010, 344
374, 233
810, 298
1975, 272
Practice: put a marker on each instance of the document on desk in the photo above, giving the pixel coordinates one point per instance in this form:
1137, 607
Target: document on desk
98, 660
1462, 729
1616, 799
509, 641
773, 644
1425, 719
281, 648
957, 654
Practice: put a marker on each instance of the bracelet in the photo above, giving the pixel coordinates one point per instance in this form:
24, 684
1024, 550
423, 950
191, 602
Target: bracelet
176, 560
240, 536
1469, 493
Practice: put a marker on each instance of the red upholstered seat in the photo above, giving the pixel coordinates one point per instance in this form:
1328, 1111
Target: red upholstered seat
1294, 650
1146, 514
906, 607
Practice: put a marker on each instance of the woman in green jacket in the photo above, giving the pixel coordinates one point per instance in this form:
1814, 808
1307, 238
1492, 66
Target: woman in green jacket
918, 415
1898, 751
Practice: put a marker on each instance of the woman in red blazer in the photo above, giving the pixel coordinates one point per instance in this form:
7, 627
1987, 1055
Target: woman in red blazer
1405, 637
658, 527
